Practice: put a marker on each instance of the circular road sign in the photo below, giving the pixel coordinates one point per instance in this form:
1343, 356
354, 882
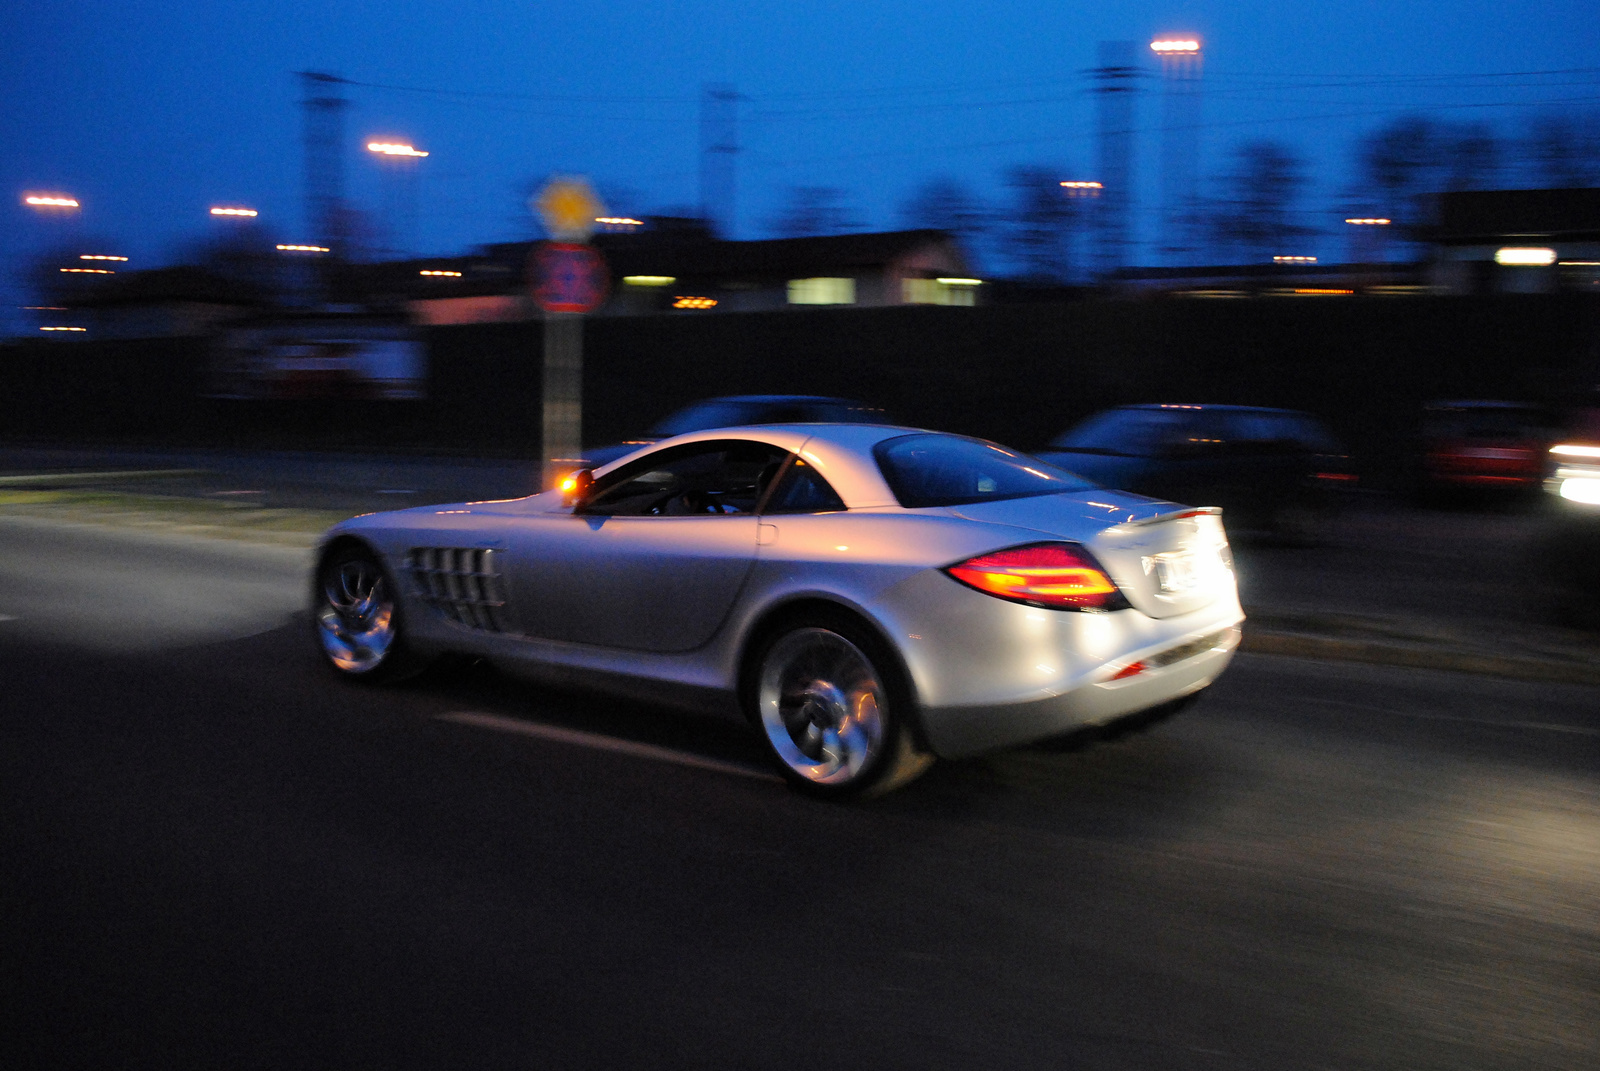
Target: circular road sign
568, 277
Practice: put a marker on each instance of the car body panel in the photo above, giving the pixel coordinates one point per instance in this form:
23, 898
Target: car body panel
667, 611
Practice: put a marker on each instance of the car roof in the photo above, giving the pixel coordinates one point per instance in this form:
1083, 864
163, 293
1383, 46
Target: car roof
1213, 408
841, 453
1479, 403
775, 398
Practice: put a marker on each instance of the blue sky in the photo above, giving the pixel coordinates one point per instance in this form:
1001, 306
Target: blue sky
151, 113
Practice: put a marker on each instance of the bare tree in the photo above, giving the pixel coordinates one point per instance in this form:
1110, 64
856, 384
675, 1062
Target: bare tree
812, 211
1473, 158
947, 205
1563, 150
1257, 218
1037, 233
1404, 163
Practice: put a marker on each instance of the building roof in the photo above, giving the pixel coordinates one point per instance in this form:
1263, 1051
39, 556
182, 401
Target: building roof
1473, 216
694, 253
162, 286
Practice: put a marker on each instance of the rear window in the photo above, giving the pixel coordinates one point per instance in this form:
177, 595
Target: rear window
949, 470
1135, 432
733, 412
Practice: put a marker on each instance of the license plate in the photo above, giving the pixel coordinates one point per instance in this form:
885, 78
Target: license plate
1177, 572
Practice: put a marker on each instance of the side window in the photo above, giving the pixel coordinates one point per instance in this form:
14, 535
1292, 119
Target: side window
803, 490
718, 477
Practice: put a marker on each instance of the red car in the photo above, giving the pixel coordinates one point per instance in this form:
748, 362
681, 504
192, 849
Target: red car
1483, 445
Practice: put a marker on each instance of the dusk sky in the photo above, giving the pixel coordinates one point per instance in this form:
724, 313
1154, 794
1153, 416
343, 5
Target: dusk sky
148, 114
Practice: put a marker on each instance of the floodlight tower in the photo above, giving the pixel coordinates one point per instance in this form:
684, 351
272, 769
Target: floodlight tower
324, 143
1181, 69
719, 145
1116, 81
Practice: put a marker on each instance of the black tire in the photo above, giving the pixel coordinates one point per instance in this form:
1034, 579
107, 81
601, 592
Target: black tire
833, 706
356, 619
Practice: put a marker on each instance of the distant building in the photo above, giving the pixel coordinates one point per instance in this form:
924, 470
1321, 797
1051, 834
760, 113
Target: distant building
677, 266
1300, 279
156, 303
1517, 241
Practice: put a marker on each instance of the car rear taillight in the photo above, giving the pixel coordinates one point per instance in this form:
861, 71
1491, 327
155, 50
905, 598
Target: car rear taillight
1058, 576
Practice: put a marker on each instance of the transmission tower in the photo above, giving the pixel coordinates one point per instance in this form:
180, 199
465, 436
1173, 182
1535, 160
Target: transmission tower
719, 144
1181, 68
1116, 82
324, 142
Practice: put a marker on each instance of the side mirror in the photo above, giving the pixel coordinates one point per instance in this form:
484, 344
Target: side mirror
575, 488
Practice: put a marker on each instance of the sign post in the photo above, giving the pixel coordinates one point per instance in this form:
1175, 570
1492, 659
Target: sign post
569, 278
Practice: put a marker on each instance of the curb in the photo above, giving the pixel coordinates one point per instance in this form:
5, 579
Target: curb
1416, 656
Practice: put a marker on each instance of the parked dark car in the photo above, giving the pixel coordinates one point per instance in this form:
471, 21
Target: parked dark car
1275, 470
1481, 446
743, 409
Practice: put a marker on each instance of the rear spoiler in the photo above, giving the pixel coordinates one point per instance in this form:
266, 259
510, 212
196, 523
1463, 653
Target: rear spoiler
1175, 515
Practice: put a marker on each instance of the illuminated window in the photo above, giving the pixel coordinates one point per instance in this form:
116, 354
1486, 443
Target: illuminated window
822, 291
939, 291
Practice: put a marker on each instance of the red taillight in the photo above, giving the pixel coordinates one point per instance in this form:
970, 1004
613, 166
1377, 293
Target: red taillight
1059, 576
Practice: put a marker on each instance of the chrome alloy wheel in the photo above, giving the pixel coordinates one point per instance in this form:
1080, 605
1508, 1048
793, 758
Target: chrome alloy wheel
356, 618
821, 705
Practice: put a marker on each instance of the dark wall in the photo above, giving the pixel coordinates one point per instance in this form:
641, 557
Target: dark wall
1018, 374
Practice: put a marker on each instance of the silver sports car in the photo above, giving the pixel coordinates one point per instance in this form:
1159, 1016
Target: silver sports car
870, 597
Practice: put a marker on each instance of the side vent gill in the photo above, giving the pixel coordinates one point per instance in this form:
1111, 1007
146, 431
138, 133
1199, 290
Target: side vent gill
464, 583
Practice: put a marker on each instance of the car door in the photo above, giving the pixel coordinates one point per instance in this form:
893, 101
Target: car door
655, 556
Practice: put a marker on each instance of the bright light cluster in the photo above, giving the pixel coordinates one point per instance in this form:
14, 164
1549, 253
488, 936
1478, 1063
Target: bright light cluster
98, 256
619, 221
446, 274
1294, 260
49, 201
303, 248
1187, 44
1321, 290
1535, 258
649, 280
63, 329
247, 213
393, 148
89, 271
950, 280
1370, 221
1083, 185
695, 303
1575, 450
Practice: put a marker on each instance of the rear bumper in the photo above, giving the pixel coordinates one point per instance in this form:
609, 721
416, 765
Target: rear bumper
1191, 663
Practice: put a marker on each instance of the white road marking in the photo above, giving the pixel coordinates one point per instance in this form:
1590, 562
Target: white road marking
7, 617
503, 724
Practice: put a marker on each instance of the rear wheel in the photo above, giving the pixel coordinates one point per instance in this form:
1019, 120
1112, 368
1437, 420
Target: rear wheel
832, 710
356, 618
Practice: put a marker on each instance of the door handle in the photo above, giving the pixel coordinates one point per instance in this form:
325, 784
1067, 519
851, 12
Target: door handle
766, 535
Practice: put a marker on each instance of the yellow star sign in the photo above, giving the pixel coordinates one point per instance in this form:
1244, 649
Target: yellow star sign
568, 206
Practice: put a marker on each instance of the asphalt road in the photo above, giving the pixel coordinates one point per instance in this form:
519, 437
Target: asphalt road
214, 854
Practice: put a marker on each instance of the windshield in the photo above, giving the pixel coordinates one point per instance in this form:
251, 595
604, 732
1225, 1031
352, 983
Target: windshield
718, 413
1124, 431
733, 412
929, 469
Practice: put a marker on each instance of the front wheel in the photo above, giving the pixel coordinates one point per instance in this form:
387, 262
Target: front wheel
831, 713
356, 619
